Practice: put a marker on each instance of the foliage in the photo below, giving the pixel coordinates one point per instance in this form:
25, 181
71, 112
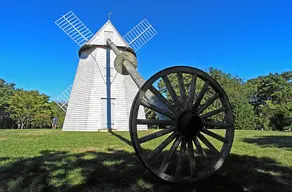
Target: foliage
6, 90
271, 97
29, 108
26, 109
57, 112
262, 103
242, 109
237, 95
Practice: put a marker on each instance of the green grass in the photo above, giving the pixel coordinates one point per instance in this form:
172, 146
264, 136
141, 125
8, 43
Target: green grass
52, 160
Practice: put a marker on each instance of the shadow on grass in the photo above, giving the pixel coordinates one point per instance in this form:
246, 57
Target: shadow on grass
271, 141
117, 170
125, 140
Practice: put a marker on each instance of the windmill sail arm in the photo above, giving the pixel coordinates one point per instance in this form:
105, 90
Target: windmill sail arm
140, 35
74, 28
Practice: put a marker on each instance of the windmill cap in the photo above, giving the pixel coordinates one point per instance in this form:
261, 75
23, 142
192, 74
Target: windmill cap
86, 47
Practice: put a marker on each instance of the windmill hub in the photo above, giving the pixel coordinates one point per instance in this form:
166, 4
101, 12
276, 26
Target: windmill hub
125, 55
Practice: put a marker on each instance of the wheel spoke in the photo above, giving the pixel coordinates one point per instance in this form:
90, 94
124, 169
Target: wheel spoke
178, 170
173, 148
171, 92
201, 94
208, 103
181, 87
192, 162
162, 99
214, 112
215, 124
148, 111
154, 122
157, 109
156, 135
214, 135
208, 144
160, 147
192, 90
199, 148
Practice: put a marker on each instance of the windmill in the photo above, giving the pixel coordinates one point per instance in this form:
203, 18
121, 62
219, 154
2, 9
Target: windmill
100, 97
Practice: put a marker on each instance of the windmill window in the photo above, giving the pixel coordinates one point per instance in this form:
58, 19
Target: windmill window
108, 35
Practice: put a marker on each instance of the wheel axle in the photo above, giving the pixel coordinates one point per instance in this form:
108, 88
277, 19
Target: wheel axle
189, 123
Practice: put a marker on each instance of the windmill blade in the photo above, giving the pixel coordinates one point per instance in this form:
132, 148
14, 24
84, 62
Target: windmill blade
140, 35
74, 28
63, 99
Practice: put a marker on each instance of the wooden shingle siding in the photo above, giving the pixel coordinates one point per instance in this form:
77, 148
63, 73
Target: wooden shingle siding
86, 110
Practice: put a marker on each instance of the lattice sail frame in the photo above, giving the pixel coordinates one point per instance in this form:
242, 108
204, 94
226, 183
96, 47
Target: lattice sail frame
63, 99
140, 35
74, 28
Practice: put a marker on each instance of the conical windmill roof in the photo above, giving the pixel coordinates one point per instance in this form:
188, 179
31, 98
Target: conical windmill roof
99, 39
100, 36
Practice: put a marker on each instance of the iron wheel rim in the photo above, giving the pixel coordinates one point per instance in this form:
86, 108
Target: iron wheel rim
229, 134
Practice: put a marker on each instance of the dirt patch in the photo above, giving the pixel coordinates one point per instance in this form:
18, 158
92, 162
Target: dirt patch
94, 149
114, 150
32, 134
82, 150
3, 138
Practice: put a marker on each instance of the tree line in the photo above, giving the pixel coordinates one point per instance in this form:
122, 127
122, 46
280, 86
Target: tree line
26, 108
262, 103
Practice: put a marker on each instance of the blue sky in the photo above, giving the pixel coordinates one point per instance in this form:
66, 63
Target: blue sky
246, 38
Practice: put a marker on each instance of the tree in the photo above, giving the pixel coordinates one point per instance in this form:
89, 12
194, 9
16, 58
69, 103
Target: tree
6, 91
237, 95
27, 107
264, 102
287, 75
242, 109
271, 97
58, 112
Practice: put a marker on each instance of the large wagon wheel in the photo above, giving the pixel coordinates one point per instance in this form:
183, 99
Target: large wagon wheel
185, 150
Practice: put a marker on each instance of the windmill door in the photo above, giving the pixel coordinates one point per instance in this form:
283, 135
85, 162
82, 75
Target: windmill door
112, 114
105, 116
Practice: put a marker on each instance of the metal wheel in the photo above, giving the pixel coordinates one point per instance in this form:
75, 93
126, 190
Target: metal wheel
192, 125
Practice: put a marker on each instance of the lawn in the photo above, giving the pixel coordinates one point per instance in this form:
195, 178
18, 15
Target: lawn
52, 160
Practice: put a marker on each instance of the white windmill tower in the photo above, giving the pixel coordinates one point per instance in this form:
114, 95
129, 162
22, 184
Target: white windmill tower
100, 98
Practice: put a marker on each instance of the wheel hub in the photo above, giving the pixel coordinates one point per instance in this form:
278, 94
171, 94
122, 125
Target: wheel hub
189, 123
